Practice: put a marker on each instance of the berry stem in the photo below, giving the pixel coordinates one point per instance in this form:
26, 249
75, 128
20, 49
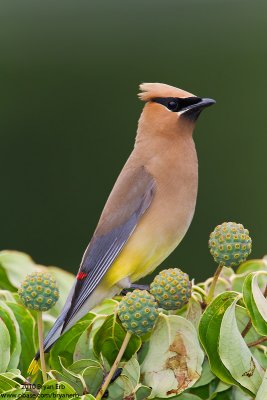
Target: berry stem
247, 328
114, 366
257, 342
213, 284
41, 344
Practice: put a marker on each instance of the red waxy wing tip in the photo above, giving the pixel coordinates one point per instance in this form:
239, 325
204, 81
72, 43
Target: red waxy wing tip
81, 276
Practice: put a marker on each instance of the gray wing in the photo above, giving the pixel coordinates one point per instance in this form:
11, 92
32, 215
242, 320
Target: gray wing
128, 201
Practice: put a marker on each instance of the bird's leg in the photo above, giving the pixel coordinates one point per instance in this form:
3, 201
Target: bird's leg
141, 287
134, 286
126, 285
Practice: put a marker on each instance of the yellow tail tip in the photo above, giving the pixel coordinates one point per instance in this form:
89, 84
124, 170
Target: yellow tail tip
33, 367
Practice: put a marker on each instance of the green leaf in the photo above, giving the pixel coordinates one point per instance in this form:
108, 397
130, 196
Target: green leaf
235, 354
11, 323
13, 374
183, 396
187, 396
65, 281
4, 281
260, 354
91, 372
237, 282
126, 385
106, 307
222, 387
121, 388
209, 332
87, 397
262, 392
109, 338
4, 346
227, 273
174, 358
84, 346
225, 395
252, 266
222, 285
204, 392
48, 322
93, 377
193, 312
214, 390
238, 394
53, 387
244, 269
65, 345
16, 266
75, 380
17, 393
242, 318
132, 370
26, 324
9, 386
6, 295
79, 366
206, 376
142, 392
256, 302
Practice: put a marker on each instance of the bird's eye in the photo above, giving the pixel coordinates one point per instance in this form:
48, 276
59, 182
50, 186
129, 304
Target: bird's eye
172, 105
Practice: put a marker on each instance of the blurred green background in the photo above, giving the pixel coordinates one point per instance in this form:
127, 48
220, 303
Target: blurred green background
69, 74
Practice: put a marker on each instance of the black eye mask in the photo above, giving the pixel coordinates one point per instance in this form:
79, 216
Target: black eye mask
177, 104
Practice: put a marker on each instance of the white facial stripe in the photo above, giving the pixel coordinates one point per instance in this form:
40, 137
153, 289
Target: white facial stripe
183, 111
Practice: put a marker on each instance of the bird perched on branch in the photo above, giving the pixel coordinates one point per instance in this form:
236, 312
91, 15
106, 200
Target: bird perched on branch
150, 206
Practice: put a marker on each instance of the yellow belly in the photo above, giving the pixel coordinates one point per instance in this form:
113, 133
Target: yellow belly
139, 258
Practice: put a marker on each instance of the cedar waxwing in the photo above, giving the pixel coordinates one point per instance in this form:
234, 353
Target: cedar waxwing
150, 206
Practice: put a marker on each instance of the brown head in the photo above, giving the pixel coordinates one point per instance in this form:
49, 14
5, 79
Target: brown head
169, 109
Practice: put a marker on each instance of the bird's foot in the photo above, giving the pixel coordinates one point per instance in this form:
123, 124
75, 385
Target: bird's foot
134, 286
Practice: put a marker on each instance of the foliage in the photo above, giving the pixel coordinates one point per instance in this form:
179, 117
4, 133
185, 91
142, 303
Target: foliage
202, 351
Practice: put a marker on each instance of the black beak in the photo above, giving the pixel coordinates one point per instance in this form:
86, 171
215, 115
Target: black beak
192, 111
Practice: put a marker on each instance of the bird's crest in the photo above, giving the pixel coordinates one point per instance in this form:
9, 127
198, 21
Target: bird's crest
152, 90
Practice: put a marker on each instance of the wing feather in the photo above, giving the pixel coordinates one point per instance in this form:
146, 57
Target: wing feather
110, 236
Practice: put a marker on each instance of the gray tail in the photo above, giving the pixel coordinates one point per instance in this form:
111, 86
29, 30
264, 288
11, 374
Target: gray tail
57, 328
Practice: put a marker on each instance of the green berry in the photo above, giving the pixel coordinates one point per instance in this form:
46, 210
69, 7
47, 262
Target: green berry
39, 291
138, 312
230, 244
171, 288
